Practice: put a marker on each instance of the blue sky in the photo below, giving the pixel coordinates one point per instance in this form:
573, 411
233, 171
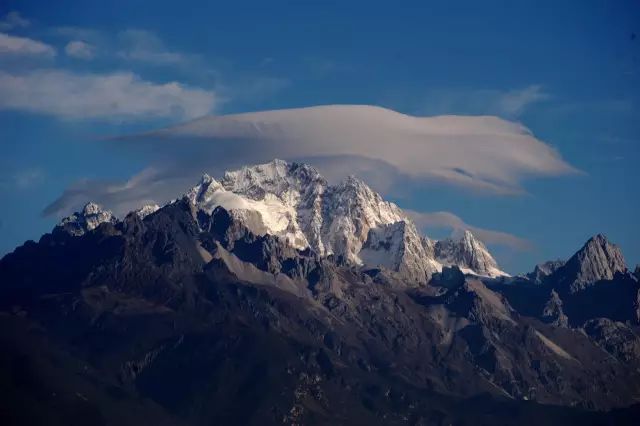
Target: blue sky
75, 72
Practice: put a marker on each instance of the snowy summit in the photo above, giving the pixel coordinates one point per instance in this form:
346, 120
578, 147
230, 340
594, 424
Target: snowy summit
348, 221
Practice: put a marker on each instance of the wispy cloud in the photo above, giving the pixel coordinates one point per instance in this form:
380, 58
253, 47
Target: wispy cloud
13, 20
28, 178
90, 35
118, 96
150, 186
139, 49
514, 102
22, 179
23, 46
446, 220
80, 50
145, 46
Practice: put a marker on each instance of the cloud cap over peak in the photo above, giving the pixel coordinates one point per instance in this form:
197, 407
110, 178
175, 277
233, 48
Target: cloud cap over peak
478, 152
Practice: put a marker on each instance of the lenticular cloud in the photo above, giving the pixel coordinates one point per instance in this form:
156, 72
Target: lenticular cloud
384, 147
481, 152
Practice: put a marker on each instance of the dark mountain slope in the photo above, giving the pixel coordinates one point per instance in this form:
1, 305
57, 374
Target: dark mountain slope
180, 318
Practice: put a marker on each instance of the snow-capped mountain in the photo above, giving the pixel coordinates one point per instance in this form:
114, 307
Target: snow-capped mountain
468, 253
146, 210
348, 221
85, 220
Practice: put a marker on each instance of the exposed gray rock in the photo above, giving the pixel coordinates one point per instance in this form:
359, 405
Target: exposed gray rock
89, 218
450, 277
467, 252
616, 338
543, 270
553, 313
398, 247
597, 260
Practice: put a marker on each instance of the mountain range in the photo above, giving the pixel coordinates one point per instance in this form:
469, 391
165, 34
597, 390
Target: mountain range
270, 296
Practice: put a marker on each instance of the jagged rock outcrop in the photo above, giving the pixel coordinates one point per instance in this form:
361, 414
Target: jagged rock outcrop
543, 270
146, 210
594, 283
616, 338
450, 277
89, 218
469, 253
398, 247
597, 260
553, 313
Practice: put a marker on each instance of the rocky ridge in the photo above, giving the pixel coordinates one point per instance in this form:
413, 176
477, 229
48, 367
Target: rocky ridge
189, 309
348, 221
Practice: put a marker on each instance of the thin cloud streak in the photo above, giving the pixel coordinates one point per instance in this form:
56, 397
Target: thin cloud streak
145, 46
13, 20
150, 186
447, 220
510, 104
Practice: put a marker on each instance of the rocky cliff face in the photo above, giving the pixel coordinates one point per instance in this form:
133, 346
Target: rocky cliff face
89, 218
544, 270
597, 260
469, 254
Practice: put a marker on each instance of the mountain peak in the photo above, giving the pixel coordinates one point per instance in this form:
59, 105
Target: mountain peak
206, 179
598, 239
146, 210
91, 216
465, 250
463, 234
597, 260
544, 270
277, 177
91, 208
349, 221
294, 202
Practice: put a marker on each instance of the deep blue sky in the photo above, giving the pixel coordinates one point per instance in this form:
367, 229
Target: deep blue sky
575, 63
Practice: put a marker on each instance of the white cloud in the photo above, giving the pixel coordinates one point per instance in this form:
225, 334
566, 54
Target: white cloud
446, 220
114, 96
13, 20
22, 179
145, 46
12, 45
514, 102
150, 186
386, 148
485, 153
79, 49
